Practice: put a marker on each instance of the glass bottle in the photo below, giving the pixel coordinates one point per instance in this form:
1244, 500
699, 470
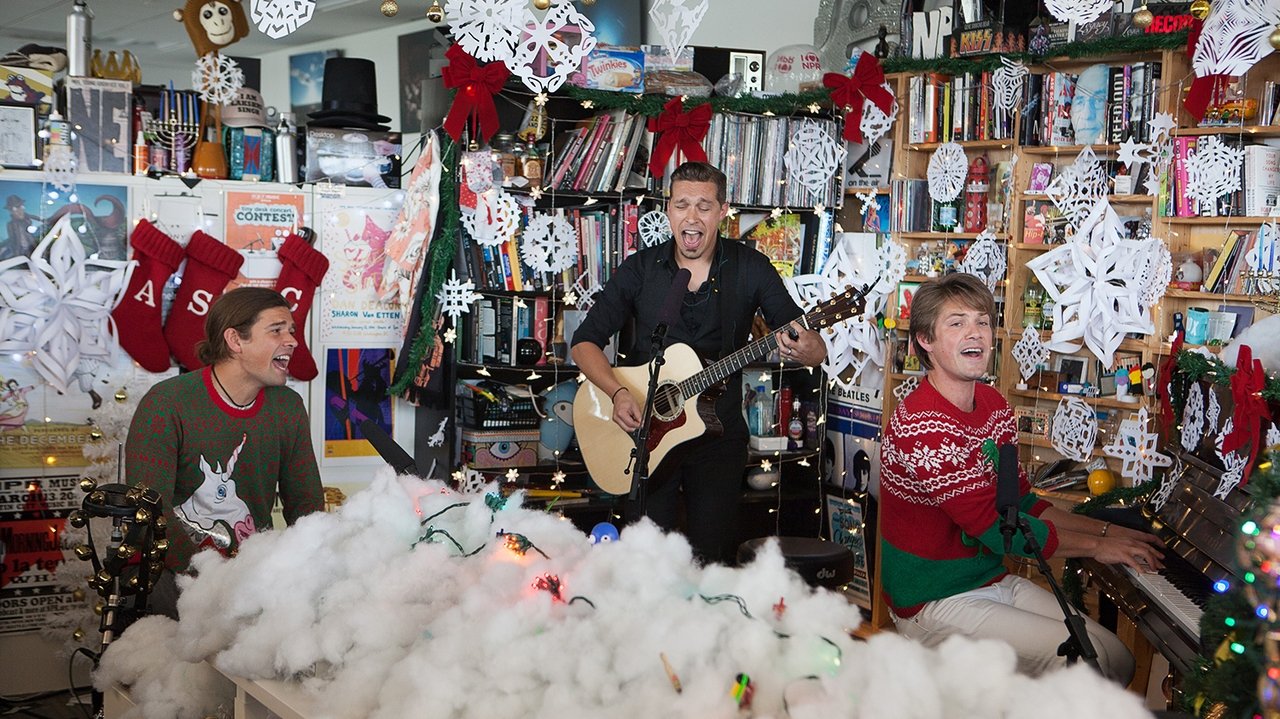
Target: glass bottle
1032, 305
795, 428
502, 143
532, 168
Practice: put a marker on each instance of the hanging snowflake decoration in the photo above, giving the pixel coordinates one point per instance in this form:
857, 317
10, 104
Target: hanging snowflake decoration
1135, 446
456, 296
867, 198
1158, 153
217, 78
1233, 463
1167, 486
1074, 430
583, 291
470, 481
496, 219
947, 169
1079, 187
1213, 413
544, 58
906, 387
1077, 11
1213, 169
1157, 272
874, 122
1006, 83
813, 156
57, 303
985, 260
1193, 419
277, 18
549, 244
61, 167
1234, 37
1030, 352
655, 228
676, 20
486, 29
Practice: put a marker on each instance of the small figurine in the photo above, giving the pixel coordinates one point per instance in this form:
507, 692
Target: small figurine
881, 50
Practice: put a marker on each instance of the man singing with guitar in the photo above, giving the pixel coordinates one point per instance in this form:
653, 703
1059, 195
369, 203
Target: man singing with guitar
704, 290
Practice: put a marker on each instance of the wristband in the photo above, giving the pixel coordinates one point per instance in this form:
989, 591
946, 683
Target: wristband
1105, 527
615, 392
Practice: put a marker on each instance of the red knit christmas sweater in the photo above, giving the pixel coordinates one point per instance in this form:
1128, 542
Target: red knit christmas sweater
939, 530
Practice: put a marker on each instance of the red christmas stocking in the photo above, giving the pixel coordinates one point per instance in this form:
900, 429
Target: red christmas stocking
137, 317
210, 266
304, 267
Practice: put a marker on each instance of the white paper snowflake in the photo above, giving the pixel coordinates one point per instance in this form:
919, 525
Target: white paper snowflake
552, 48
1162, 125
1233, 463
1167, 485
874, 123
655, 228
906, 387
1079, 187
217, 78
1273, 438
1074, 430
478, 168
61, 167
1006, 83
947, 169
549, 244
583, 291
813, 156
456, 296
57, 303
985, 260
1030, 352
1213, 413
1193, 419
277, 18
487, 29
1077, 11
1213, 169
496, 219
676, 20
1135, 446
470, 481
1234, 36
1157, 271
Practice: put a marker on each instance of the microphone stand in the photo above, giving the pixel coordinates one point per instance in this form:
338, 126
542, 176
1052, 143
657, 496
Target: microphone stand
640, 452
1077, 644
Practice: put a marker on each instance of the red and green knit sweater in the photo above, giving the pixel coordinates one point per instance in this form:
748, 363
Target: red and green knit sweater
939, 530
217, 468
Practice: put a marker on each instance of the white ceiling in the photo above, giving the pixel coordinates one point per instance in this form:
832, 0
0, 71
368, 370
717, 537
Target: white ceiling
147, 27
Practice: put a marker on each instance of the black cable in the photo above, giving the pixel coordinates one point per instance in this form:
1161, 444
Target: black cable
71, 680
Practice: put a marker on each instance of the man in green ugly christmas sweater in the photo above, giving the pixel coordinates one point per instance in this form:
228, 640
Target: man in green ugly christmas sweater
943, 554
220, 442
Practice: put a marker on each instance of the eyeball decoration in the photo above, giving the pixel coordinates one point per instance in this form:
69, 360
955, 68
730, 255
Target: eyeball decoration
604, 533
655, 228
947, 169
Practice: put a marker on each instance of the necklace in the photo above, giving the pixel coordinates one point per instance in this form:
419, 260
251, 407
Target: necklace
227, 395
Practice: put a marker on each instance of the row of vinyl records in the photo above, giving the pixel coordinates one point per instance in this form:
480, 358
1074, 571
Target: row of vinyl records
597, 154
1102, 105
1259, 179
955, 108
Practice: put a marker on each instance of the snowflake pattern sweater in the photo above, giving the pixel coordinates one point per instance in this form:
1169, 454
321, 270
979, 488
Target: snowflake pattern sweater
939, 530
217, 468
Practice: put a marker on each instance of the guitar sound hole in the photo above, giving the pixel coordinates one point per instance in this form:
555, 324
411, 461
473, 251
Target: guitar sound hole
667, 402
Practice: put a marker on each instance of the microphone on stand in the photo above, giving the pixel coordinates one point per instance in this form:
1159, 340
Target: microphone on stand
670, 313
1007, 493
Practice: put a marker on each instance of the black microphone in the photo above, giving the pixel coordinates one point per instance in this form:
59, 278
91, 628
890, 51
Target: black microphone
670, 313
387, 448
1007, 493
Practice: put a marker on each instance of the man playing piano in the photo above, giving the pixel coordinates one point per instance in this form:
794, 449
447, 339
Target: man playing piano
943, 563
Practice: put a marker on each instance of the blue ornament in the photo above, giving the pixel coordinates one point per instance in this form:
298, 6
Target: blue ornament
604, 532
557, 426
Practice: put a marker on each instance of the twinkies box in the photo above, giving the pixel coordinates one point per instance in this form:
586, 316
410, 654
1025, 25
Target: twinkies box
500, 449
620, 69
363, 158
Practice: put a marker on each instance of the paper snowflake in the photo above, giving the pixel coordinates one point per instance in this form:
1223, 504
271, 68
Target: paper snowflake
1273, 438
1168, 484
487, 29
1030, 352
217, 78
583, 291
1233, 463
947, 169
1234, 36
1079, 187
1135, 446
496, 219
1006, 83
1097, 280
676, 20
1213, 169
874, 123
549, 244
655, 228
1157, 271
1213, 413
552, 48
61, 167
985, 260
277, 18
906, 387
1077, 11
470, 481
1074, 429
1193, 419
57, 303
456, 296
813, 157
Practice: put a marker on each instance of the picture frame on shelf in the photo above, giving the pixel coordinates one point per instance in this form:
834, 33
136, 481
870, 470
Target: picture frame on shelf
1031, 421
906, 292
1244, 317
17, 135
1071, 369
1041, 174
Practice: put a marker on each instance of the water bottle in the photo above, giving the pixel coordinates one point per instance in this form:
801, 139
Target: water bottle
286, 150
763, 407
79, 49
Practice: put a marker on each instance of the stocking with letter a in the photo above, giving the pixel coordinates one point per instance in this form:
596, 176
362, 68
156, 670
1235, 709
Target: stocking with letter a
137, 317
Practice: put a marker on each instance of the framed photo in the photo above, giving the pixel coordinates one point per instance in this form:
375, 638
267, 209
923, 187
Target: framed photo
17, 135
906, 291
1072, 370
1031, 420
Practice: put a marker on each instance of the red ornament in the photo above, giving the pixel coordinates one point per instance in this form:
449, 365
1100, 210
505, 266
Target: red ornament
849, 92
676, 129
476, 85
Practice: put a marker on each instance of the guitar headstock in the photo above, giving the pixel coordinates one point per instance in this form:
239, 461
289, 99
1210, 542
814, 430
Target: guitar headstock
843, 306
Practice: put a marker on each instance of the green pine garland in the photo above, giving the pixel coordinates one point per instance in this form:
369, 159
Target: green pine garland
651, 105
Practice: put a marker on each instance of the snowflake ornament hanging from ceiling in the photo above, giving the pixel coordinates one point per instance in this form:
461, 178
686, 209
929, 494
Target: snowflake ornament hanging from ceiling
1079, 187
584, 290
1157, 272
487, 29
947, 169
60, 167
544, 56
1213, 413
1193, 419
495, 220
1006, 83
277, 18
479, 170
1233, 463
1234, 36
1213, 169
1030, 352
874, 122
1077, 11
813, 157
549, 244
985, 260
655, 228
676, 20
56, 305
1135, 446
1075, 429
217, 78
456, 296
1097, 280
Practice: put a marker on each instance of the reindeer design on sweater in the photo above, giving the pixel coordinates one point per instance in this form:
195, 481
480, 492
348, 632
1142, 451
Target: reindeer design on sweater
214, 515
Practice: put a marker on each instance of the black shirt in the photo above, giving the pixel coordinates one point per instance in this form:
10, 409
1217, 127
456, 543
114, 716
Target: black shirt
639, 287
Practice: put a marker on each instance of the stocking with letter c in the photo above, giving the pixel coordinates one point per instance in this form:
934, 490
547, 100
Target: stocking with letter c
210, 266
303, 269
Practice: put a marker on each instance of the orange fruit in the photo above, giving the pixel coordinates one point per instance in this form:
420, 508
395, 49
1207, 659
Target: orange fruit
1101, 481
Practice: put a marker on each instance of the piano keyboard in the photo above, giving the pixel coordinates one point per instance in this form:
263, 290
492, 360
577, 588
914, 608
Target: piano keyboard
1185, 610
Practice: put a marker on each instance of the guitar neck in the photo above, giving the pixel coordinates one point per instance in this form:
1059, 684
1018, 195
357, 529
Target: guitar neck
719, 370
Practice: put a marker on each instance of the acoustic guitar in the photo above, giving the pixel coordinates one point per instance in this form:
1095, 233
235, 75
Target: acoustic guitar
684, 402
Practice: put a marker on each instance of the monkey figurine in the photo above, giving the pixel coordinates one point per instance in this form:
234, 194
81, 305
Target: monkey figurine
213, 24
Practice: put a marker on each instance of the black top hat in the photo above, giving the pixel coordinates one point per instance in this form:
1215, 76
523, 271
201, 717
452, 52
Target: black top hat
349, 97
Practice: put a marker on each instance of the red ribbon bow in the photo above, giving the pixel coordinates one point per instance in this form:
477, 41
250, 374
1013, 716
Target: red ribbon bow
866, 83
677, 129
1202, 88
477, 84
1250, 408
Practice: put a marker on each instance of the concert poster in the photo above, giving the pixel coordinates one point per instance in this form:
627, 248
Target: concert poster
257, 224
353, 236
355, 389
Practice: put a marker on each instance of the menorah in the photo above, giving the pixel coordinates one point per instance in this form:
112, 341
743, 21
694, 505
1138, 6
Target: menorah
177, 139
1263, 289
